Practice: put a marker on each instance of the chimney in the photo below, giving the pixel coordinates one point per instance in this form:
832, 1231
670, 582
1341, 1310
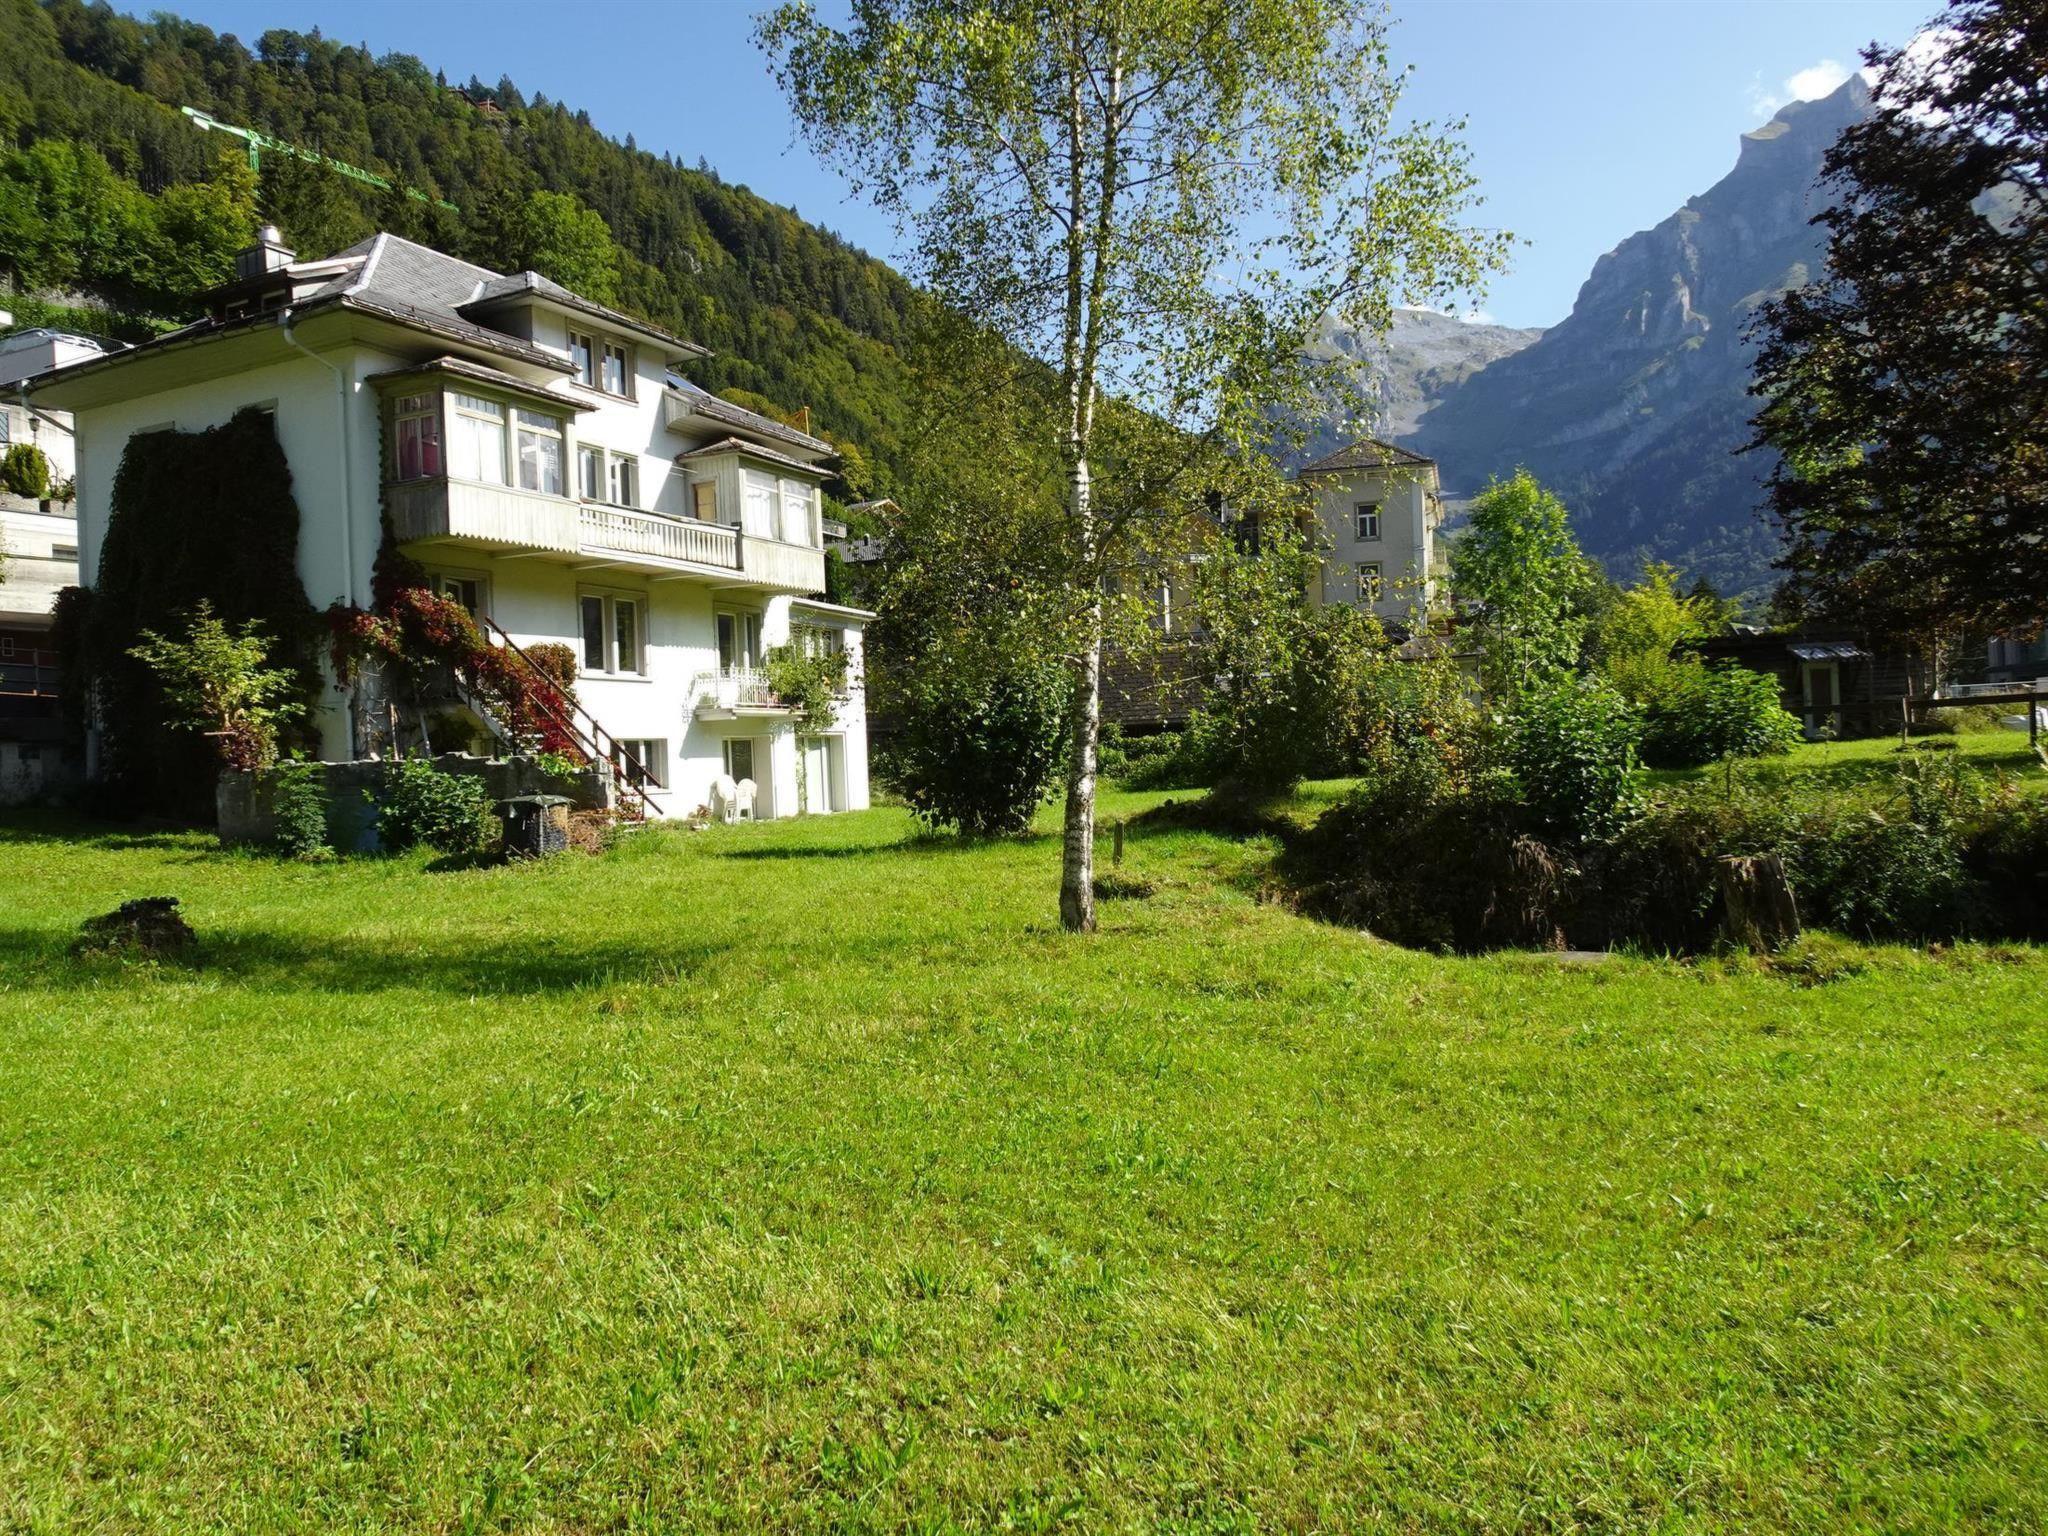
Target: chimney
803, 419
269, 254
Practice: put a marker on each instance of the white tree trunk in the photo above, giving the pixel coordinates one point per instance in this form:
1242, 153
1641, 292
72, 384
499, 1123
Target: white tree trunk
1077, 857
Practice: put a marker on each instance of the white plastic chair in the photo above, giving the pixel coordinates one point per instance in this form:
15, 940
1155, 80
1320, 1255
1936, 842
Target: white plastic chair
747, 790
725, 799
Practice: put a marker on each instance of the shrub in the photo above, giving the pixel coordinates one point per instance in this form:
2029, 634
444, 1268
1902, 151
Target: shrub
1711, 713
298, 800
980, 753
217, 683
1571, 747
25, 472
448, 811
1423, 856
556, 662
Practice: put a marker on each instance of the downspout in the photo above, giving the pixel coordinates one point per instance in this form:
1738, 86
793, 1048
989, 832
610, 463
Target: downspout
348, 502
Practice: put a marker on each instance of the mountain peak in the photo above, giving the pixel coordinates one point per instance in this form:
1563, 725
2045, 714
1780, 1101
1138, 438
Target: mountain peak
1822, 118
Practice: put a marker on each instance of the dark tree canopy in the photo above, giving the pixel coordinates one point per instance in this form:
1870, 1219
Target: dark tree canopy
1907, 392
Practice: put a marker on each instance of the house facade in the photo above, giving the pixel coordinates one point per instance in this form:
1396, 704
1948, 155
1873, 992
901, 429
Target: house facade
542, 457
1377, 509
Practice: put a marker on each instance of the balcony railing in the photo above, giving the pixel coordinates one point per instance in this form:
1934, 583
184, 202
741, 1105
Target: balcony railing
731, 689
629, 531
30, 674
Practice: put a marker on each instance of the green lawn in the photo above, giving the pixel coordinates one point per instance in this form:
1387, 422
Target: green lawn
804, 1177
1867, 763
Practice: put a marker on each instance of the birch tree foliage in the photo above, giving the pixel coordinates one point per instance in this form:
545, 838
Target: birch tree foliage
1156, 201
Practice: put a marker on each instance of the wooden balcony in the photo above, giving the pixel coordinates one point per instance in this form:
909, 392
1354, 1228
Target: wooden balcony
492, 516
613, 530
501, 518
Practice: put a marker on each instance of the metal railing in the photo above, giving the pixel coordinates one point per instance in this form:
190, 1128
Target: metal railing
30, 674
593, 740
630, 531
733, 688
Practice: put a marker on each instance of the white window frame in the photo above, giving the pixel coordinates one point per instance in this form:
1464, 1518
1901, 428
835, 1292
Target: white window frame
439, 580
614, 348
622, 479
611, 602
747, 626
531, 421
586, 365
652, 754
1366, 522
1371, 585
478, 408
589, 472
423, 406
755, 757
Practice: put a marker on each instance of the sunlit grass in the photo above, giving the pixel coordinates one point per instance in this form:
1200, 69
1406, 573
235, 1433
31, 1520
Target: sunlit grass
806, 1177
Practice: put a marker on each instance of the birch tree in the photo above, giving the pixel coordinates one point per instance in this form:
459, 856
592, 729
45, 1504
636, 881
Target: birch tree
1156, 201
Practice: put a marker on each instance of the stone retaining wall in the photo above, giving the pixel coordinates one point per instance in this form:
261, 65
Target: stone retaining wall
242, 801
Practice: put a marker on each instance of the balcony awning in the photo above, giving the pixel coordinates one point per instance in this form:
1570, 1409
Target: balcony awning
1828, 650
476, 373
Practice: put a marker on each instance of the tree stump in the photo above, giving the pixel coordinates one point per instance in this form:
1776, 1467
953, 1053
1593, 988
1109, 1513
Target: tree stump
1758, 910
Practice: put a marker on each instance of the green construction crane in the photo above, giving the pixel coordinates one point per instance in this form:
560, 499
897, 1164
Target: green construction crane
258, 142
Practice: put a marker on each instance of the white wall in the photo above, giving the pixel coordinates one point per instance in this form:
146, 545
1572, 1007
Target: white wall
336, 478
1402, 551
331, 435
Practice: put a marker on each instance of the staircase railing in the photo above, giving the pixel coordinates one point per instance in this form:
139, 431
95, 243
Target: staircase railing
576, 722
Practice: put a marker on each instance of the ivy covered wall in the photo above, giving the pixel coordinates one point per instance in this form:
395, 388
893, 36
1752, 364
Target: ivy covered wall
194, 515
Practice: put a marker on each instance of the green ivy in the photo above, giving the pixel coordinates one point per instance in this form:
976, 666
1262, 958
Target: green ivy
195, 517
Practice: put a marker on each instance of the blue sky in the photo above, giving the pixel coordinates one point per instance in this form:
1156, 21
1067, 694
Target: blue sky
1588, 119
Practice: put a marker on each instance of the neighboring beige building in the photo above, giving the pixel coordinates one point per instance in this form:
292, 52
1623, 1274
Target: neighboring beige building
1378, 508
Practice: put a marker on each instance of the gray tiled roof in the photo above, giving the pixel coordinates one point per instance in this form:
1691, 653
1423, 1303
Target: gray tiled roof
498, 289
462, 368
1366, 453
752, 451
705, 404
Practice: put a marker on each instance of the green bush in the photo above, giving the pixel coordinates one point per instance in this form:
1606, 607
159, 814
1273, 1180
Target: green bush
298, 800
448, 811
1711, 713
25, 472
981, 754
1571, 747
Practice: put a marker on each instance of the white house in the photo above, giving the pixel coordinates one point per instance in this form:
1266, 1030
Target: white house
1378, 508
540, 455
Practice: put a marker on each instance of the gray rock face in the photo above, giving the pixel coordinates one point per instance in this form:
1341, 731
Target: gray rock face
1634, 406
1422, 359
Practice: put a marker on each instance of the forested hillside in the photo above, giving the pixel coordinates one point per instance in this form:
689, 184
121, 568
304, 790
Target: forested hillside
107, 193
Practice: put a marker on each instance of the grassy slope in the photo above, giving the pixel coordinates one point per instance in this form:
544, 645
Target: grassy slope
804, 1177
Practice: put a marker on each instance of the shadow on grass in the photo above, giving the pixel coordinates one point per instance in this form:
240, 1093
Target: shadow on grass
293, 963
936, 844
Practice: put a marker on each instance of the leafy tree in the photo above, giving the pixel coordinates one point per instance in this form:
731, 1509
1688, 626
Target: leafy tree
1571, 746
218, 682
1156, 200
1637, 634
1294, 688
557, 236
1905, 392
1519, 569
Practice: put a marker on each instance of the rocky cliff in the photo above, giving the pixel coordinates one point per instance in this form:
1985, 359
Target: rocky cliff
1634, 406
